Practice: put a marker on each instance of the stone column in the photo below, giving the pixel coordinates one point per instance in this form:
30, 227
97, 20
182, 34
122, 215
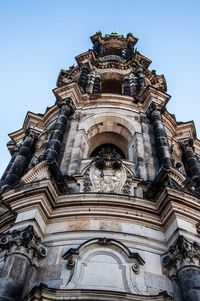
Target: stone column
52, 152
97, 85
126, 86
55, 141
192, 166
133, 84
21, 160
14, 154
83, 79
183, 263
140, 79
162, 145
23, 249
90, 85
99, 48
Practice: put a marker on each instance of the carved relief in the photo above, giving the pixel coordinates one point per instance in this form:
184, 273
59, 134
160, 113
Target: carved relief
183, 253
108, 180
107, 174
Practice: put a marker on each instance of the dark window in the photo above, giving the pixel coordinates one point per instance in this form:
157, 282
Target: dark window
113, 51
107, 147
112, 86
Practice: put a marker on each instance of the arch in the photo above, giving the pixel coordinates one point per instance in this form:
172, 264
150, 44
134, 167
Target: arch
109, 138
110, 146
103, 256
103, 241
127, 122
106, 127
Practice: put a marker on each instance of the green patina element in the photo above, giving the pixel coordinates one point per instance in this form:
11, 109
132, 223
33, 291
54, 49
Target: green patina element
114, 35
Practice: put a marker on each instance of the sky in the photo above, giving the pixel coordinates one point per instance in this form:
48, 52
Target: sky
38, 38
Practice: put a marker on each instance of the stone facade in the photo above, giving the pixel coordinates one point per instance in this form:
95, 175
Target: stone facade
100, 200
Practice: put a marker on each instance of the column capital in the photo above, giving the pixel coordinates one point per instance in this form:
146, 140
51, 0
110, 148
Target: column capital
186, 143
154, 108
32, 133
183, 253
67, 103
24, 242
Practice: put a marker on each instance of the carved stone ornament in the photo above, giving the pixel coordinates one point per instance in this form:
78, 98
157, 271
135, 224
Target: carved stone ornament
24, 242
183, 253
29, 132
107, 174
72, 254
66, 102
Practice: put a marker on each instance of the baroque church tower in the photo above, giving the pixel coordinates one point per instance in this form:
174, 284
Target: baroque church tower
100, 200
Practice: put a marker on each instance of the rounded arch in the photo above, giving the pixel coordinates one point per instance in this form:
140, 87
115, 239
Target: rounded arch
111, 119
108, 146
118, 141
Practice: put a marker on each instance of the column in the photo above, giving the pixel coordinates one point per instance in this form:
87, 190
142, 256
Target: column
133, 84
83, 77
52, 152
23, 249
55, 141
99, 48
182, 262
97, 85
14, 154
162, 145
192, 165
140, 79
90, 85
126, 86
21, 160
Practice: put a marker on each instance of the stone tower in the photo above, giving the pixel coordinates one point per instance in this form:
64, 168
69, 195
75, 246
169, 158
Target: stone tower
100, 200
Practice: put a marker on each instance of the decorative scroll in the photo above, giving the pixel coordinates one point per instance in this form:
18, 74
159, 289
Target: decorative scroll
182, 253
25, 242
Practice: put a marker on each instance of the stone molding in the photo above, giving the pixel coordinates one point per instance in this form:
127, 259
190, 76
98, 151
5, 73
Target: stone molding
44, 293
72, 253
33, 174
182, 254
24, 242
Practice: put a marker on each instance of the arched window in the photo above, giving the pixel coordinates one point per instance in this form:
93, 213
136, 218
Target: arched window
108, 148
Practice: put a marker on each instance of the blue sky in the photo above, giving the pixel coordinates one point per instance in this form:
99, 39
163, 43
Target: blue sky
38, 38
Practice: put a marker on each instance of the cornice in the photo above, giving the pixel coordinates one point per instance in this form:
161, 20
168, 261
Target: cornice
146, 212
43, 195
152, 94
175, 203
45, 294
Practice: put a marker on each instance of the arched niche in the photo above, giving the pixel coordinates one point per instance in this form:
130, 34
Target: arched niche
106, 127
107, 146
105, 264
116, 122
105, 138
